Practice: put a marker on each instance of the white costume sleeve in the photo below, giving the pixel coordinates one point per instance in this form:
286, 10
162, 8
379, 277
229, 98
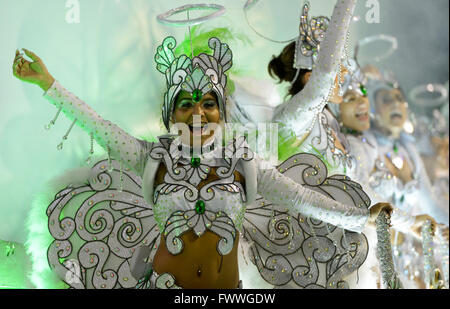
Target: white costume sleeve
299, 114
280, 189
366, 154
427, 201
113, 139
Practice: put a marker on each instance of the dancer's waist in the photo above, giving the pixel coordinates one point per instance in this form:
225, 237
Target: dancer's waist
199, 264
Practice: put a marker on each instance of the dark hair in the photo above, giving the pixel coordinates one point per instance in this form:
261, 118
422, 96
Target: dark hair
282, 67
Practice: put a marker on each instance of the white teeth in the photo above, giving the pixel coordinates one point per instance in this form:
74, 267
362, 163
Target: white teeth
198, 130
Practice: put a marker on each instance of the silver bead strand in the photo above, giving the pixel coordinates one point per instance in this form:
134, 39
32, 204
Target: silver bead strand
444, 252
340, 81
60, 145
52, 123
291, 233
384, 253
272, 225
121, 177
110, 165
428, 254
91, 151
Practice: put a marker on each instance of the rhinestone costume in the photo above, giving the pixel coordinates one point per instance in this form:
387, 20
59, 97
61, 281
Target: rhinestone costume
176, 199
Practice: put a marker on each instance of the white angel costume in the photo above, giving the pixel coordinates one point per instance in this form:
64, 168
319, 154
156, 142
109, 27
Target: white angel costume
99, 226
419, 190
320, 48
410, 199
306, 126
375, 179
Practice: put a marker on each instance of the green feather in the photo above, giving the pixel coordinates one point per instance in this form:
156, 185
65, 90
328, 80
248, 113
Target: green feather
200, 38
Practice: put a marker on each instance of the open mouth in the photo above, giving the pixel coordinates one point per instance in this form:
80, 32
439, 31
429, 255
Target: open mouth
362, 115
396, 114
199, 130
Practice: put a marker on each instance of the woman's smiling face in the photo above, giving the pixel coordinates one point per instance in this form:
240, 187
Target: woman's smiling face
392, 108
355, 111
206, 111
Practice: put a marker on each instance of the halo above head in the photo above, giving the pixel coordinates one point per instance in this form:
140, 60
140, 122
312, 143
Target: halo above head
377, 39
217, 10
249, 4
429, 89
384, 80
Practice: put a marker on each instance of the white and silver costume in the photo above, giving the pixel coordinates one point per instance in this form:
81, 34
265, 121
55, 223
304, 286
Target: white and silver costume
138, 212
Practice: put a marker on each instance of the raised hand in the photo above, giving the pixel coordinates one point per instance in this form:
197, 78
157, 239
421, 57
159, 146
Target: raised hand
34, 71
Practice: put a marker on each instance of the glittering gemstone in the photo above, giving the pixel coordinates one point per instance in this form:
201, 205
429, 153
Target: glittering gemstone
363, 90
195, 162
395, 148
197, 95
200, 207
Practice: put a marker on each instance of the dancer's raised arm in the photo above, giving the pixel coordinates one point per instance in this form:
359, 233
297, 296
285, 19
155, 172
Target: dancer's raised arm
306, 104
113, 139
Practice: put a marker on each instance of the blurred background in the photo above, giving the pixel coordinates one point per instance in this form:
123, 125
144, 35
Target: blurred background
106, 58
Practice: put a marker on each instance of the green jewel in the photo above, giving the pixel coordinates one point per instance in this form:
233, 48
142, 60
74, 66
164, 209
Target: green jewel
363, 90
200, 207
195, 162
395, 149
148, 274
197, 95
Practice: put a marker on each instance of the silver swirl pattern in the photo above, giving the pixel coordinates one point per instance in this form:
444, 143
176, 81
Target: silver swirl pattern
181, 222
97, 227
294, 251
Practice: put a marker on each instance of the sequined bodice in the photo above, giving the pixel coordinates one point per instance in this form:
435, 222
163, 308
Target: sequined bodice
199, 193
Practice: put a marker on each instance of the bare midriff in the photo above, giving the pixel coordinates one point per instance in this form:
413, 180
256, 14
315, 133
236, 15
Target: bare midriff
199, 265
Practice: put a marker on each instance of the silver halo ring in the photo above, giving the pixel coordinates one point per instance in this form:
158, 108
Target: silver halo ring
249, 4
219, 10
416, 100
383, 38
